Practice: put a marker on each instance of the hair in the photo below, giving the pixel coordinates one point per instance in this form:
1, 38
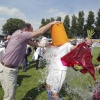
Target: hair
26, 26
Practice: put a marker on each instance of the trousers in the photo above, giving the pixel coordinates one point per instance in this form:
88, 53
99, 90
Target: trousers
8, 79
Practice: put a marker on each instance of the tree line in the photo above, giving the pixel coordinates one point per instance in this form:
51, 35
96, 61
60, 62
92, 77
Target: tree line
75, 27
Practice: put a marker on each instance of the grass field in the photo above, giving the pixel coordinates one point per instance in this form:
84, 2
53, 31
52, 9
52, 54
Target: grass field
30, 82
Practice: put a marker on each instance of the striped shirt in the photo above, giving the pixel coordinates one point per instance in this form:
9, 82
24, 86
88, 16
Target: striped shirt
16, 48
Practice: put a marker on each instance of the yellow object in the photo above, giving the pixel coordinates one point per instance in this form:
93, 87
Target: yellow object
58, 34
78, 68
90, 33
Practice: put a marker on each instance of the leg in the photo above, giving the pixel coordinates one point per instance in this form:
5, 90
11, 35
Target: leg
51, 95
42, 62
49, 92
26, 60
24, 65
54, 82
9, 81
37, 62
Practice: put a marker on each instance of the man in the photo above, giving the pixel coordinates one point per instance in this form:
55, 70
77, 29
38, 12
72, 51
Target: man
14, 56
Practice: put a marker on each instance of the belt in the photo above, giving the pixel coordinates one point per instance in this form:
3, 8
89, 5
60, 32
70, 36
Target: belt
7, 65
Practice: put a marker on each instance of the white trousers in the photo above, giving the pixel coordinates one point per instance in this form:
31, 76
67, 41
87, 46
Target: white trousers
56, 79
8, 79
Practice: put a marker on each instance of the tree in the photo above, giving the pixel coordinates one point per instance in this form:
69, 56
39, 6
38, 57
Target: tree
52, 19
97, 24
43, 22
67, 26
80, 24
12, 25
89, 22
74, 26
58, 18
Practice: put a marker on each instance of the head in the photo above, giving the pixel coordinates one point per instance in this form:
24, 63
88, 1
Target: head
26, 27
8, 37
89, 42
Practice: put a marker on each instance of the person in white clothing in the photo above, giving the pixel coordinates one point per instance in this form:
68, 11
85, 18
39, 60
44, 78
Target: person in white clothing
43, 41
57, 72
39, 52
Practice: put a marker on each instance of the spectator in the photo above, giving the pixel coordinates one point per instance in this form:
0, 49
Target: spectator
25, 61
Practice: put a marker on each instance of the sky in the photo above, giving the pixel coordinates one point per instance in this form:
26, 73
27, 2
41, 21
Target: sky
32, 11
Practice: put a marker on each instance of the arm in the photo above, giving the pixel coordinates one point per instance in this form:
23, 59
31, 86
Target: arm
43, 29
35, 44
73, 48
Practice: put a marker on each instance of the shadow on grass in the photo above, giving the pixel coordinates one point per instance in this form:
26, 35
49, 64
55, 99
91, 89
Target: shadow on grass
20, 78
33, 65
33, 93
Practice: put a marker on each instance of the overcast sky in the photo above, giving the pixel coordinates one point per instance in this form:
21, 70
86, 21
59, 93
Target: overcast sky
33, 11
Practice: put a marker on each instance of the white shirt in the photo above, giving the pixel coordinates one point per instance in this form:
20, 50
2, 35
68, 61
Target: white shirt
42, 49
54, 54
43, 40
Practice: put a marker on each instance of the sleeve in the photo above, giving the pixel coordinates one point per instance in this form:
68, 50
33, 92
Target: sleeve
26, 35
69, 47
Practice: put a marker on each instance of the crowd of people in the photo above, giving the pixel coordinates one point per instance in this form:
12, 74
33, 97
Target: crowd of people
17, 50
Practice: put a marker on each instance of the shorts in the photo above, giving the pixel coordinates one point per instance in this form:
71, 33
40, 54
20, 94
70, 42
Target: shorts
56, 79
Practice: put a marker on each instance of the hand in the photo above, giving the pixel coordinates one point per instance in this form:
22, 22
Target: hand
55, 22
48, 44
97, 68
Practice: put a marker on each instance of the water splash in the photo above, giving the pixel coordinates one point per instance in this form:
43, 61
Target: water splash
77, 86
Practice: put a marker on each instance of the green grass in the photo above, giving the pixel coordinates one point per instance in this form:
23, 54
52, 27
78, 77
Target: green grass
30, 82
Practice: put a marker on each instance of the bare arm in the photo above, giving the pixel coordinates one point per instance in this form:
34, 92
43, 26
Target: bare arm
73, 47
35, 44
43, 29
